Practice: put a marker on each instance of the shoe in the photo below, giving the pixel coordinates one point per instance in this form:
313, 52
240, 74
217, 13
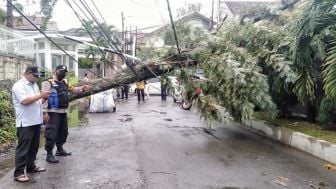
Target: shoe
21, 178
36, 170
51, 158
62, 152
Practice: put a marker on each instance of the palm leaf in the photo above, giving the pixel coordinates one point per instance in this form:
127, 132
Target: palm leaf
329, 72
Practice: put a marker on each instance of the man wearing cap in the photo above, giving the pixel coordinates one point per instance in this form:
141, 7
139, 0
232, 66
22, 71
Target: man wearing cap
57, 127
27, 101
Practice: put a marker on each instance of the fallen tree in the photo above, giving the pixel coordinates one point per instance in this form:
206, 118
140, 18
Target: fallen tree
144, 71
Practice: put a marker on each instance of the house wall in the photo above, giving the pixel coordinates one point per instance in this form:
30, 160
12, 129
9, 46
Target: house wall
13, 67
156, 39
48, 56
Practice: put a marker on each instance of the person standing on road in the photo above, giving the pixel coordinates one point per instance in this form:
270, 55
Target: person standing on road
57, 107
27, 101
141, 90
124, 92
164, 86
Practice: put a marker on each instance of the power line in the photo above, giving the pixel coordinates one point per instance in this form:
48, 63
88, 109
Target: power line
82, 21
159, 10
110, 41
173, 26
45, 35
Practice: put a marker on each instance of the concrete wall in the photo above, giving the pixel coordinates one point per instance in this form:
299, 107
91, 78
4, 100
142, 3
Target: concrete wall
319, 148
13, 67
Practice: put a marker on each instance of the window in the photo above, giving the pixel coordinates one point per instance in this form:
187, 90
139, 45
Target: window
71, 64
41, 45
41, 60
55, 60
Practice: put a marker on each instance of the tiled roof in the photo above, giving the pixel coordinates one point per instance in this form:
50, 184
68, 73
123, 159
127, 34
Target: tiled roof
237, 7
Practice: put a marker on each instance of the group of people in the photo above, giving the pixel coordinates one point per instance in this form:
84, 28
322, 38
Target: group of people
140, 89
48, 106
34, 107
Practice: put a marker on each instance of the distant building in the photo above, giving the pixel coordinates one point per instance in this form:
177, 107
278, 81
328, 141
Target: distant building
16, 53
22, 24
48, 55
156, 38
234, 8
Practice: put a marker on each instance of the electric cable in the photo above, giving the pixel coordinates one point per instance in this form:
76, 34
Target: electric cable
94, 4
49, 38
109, 39
90, 34
175, 35
104, 36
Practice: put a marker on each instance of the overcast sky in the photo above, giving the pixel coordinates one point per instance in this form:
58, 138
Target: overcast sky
140, 13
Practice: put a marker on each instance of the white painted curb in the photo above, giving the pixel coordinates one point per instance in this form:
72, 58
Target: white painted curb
319, 148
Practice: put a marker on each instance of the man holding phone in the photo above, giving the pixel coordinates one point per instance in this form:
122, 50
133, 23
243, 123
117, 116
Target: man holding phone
27, 101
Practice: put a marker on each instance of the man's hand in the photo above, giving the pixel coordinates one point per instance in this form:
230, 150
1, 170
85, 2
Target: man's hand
86, 88
45, 118
45, 94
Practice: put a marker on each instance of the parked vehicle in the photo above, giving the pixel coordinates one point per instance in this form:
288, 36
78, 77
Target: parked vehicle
179, 94
154, 86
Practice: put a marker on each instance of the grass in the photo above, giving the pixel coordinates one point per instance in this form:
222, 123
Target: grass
312, 129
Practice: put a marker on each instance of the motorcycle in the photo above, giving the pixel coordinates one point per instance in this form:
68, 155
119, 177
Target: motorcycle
179, 93
179, 96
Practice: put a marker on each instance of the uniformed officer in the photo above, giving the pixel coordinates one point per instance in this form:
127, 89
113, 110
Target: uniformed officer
56, 109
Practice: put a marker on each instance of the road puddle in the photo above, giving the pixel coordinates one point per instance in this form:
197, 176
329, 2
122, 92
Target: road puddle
76, 118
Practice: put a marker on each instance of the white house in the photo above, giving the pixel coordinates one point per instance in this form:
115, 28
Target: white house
156, 38
47, 55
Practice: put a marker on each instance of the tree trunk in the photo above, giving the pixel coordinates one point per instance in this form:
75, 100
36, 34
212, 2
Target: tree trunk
311, 113
126, 76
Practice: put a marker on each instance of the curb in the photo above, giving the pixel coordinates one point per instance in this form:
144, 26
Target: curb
319, 148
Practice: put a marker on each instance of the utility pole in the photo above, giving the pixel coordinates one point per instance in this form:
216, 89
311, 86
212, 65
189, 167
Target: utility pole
136, 40
125, 41
122, 33
212, 15
9, 14
218, 12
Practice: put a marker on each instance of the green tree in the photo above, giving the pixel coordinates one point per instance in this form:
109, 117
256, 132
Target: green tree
314, 57
47, 7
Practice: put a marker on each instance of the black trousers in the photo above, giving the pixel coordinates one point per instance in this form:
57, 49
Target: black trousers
56, 131
26, 150
163, 94
142, 92
124, 92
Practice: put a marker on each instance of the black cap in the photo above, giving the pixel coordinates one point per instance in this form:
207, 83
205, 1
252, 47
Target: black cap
34, 70
61, 67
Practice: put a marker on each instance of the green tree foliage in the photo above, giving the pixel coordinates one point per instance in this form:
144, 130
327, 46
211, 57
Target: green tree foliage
314, 55
190, 8
247, 66
47, 7
85, 63
7, 121
3, 17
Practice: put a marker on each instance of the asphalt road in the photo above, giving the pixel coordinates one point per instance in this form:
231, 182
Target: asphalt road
157, 145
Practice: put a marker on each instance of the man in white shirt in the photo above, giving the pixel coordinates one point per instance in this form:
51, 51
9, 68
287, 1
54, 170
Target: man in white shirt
27, 101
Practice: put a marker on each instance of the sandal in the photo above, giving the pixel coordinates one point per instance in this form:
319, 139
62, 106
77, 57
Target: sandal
37, 170
21, 178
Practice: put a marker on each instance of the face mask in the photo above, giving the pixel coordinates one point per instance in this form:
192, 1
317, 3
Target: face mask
60, 75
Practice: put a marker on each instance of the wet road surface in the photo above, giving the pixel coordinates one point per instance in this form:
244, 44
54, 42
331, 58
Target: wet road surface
158, 145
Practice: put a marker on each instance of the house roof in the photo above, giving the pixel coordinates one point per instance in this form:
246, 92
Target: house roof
237, 7
23, 24
183, 18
